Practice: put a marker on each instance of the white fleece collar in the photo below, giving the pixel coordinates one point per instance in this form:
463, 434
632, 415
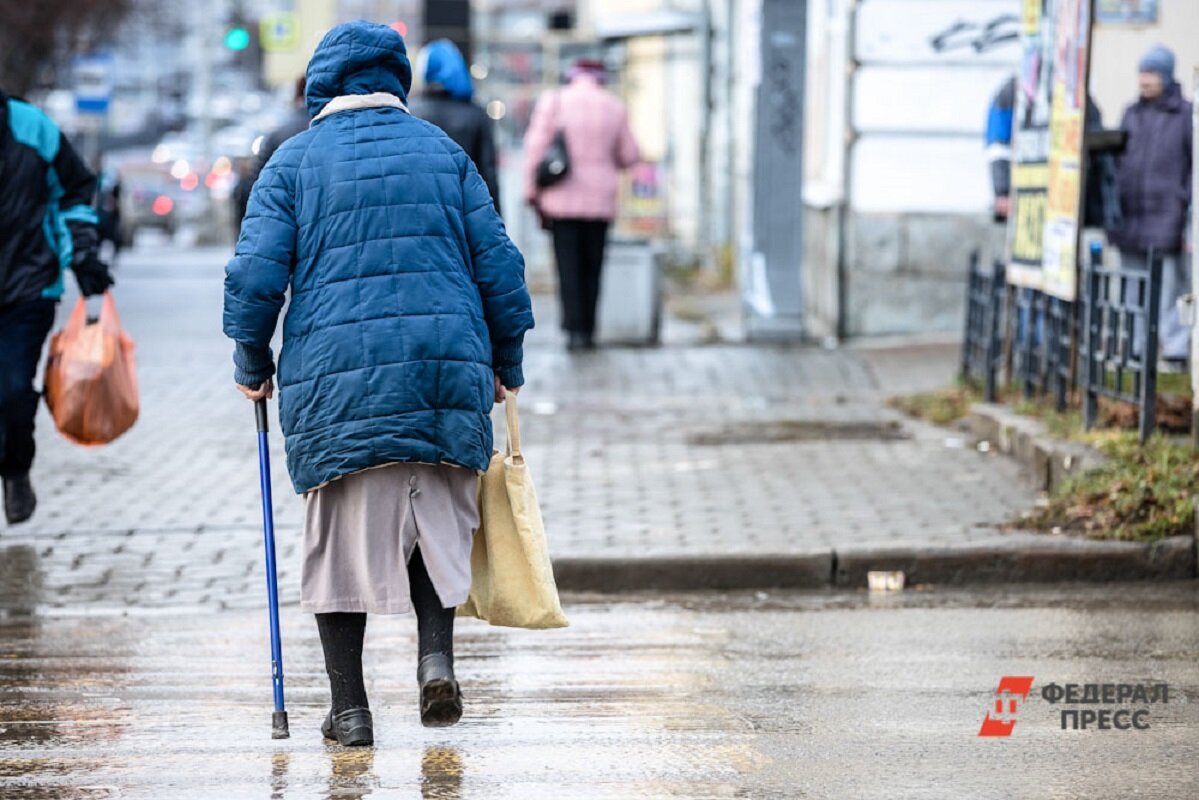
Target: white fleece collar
356, 102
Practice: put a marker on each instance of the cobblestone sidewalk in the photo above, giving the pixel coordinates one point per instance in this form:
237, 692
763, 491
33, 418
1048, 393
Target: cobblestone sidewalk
673, 452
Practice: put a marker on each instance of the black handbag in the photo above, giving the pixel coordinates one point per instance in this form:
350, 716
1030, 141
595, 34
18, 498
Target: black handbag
555, 164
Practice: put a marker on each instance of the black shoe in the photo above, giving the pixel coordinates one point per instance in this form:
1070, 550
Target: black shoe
19, 499
440, 697
579, 341
351, 728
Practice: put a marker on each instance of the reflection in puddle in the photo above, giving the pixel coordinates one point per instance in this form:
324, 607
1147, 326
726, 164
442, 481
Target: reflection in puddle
350, 777
279, 764
57, 683
20, 580
441, 774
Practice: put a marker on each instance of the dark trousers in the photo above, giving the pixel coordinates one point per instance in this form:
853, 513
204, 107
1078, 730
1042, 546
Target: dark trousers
23, 331
579, 251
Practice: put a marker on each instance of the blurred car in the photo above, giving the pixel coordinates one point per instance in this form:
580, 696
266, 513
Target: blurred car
178, 148
235, 141
150, 198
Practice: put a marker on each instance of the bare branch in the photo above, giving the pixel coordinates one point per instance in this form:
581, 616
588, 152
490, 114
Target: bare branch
37, 38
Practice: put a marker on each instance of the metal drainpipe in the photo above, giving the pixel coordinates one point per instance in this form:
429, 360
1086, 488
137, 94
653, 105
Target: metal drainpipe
1194, 277
730, 226
845, 209
705, 141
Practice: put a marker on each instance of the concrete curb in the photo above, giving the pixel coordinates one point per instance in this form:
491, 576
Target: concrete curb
683, 573
1054, 559
1050, 461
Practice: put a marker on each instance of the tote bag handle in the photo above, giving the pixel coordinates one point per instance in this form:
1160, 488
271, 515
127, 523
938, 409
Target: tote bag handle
513, 426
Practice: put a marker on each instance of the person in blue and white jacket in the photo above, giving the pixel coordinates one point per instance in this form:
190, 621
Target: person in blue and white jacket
47, 224
1000, 119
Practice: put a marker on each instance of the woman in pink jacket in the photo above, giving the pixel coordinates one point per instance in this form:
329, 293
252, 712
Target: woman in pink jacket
580, 207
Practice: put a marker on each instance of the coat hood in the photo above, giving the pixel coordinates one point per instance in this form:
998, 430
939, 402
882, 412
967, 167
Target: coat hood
358, 58
445, 68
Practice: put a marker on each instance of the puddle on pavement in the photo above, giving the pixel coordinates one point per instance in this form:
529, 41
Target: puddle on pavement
441, 771
800, 431
143, 708
351, 773
20, 580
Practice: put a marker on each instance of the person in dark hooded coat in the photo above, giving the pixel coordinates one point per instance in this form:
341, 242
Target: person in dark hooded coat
406, 321
447, 102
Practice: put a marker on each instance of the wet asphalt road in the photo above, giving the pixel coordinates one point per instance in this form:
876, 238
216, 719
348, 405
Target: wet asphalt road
813, 695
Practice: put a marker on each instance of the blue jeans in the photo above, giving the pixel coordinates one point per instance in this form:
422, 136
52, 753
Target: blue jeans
1174, 338
23, 331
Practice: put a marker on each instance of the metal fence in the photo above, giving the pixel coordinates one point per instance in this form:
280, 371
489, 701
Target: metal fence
1045, 335
1106, 344
1119, 341
982, 345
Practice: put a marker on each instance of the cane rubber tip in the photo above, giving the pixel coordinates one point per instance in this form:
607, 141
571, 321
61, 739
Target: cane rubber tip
279, 725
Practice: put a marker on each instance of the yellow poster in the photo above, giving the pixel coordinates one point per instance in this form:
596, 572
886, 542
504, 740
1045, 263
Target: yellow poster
1032, 17
1030, 146
1047, 153
1027, 223
1063, 207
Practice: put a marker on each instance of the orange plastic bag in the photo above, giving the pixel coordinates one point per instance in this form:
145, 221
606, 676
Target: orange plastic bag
91, 377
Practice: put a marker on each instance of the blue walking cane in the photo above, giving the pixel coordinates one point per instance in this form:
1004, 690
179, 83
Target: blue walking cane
279, 718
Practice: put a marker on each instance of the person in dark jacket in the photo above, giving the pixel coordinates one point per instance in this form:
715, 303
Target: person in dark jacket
406, 322
109, 210
47, 224
247, 172
1155, 189
296, 122
447, 102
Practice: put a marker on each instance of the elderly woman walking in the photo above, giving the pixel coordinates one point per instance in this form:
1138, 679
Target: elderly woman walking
406, 320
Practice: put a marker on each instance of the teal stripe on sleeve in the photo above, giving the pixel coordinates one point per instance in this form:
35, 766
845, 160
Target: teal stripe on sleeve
32, 128
81, 213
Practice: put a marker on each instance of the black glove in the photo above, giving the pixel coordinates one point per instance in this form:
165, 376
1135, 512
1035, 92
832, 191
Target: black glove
93, 276
91, 273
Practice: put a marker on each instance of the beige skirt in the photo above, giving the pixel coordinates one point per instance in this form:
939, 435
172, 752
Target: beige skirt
361, 530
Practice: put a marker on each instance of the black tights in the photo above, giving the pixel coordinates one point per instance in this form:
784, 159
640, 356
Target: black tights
342, 635
434, 624
341, 638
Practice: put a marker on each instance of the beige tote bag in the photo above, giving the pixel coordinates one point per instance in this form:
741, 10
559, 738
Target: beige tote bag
512, 581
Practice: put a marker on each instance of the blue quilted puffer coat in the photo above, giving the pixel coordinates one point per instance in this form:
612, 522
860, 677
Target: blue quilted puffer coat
407, 296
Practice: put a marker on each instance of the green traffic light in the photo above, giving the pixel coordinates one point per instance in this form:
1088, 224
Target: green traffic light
237, 39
